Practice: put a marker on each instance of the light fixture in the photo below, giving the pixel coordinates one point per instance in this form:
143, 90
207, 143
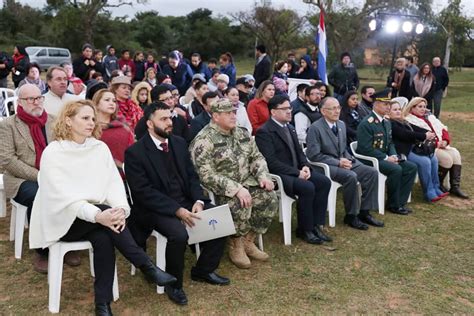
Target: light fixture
419, 28
407, 26
373, 24
392, 26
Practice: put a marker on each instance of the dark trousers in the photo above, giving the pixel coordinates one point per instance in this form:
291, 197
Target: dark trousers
177, 235
25, 196
312, 200
400, 179
103, 242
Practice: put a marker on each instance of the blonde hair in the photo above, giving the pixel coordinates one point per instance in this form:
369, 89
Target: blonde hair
96, 100
413, 102
61, 130
142, 85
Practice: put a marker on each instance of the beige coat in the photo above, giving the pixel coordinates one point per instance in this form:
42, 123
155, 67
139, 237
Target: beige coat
17, 153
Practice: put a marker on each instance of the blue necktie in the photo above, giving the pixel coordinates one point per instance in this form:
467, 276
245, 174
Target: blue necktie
334, 129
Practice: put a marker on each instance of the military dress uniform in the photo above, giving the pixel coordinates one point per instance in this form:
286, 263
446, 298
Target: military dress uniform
374, 139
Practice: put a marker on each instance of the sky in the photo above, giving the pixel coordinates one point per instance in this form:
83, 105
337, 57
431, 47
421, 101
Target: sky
225, 7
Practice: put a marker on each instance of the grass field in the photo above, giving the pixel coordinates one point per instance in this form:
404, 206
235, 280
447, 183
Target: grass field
418, 264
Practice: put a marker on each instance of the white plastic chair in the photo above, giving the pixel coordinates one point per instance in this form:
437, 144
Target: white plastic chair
13, 100
285, 206
5, 92
55, 270
332, 198
18, 223
382, 177
3, 198
181, 100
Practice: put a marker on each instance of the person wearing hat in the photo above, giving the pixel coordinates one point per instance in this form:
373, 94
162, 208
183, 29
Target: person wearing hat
374, 139
191, 92
244, 91
110, 62
128, 110
222, 84
212, 83
93, 86
229, 164
343, 77
180, 73
83, 64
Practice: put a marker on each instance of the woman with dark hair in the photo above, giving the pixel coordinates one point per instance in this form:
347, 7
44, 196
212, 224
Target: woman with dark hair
352, 114
232, 94
306, 70
180, 73
228, 68
196, 106
33, 71
150, 63
20, 62
280, 77
257, 109
424, 83
82, 197
323, 89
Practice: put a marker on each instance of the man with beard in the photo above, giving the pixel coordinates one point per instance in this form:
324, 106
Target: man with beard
307, 113
399, 80
167, 195
366, 93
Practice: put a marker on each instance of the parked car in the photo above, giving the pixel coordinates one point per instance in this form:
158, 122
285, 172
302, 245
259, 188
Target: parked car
46, 57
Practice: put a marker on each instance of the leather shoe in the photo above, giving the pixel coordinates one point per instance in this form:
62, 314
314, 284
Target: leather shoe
211, 278
321, 235
354, 222
309, 237
176, 295
409, 210
103, 309
368, 219
72, 259
156, 275
398, 210
40, 264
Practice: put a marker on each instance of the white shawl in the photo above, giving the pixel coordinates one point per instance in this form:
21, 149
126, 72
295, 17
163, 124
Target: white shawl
437, 125
72, 179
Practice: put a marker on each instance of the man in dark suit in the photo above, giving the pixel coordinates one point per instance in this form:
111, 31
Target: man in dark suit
263, 67
167, 195
326, 143
278, 143
203, 118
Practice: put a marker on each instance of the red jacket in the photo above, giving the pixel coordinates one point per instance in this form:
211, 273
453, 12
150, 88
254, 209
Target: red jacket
258, 113
129, 63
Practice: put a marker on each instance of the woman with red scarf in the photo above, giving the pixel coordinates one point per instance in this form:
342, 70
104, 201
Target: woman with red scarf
128, 110
20, 62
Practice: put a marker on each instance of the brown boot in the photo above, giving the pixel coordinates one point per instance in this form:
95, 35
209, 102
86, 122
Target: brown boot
72, 258
237, 253
40, 263
252, 250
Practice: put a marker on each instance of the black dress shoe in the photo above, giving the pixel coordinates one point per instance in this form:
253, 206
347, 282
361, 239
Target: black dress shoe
354, 222
176, 295
211, 278
398, 210
321, 235
156, 275
409, 210
368, 219
103, 309
309, 237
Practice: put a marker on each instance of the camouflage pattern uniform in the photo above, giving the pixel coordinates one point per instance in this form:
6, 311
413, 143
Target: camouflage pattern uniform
226, 162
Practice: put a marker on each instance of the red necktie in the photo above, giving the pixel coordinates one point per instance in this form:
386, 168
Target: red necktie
164, 146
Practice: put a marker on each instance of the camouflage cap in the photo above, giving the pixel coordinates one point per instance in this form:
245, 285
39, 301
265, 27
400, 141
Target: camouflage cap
222, 105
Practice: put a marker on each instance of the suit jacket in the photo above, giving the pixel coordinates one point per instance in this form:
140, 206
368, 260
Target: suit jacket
17, 153
323, 146
374, 139
198, 123
180, 127
148, 178
274, 146
262, 71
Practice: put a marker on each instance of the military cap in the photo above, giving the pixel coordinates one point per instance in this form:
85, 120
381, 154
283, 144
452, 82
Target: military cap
222, 105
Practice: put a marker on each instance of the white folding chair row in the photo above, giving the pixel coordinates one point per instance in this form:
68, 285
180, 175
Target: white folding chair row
285, 206
3, 198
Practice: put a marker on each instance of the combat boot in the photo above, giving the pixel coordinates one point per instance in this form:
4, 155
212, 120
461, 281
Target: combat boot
252, 250
237, 253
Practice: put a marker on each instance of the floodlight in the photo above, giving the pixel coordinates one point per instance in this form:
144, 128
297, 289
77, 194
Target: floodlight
419, 28
392, 26
407, 26
373, 24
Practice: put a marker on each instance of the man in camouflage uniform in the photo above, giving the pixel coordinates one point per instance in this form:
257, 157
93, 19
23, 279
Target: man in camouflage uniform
230, 165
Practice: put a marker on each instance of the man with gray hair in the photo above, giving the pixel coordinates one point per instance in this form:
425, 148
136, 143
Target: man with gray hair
442, 81
326, 143
57, 97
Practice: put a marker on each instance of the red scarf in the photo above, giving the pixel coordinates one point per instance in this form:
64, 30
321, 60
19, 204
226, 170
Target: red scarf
129, 112
17, 58
35, 124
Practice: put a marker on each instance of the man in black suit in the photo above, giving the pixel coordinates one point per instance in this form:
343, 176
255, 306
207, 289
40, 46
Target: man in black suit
263, 67
167, 195
278, 143
203, 118
162, 93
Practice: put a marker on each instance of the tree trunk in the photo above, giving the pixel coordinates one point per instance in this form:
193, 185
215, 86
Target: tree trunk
447, 52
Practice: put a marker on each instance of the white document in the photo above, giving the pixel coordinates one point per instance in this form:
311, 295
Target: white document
215, 222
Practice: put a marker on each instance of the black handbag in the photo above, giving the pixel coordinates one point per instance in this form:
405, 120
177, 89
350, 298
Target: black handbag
425, 148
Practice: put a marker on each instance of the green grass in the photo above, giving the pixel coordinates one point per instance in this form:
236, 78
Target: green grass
417, 264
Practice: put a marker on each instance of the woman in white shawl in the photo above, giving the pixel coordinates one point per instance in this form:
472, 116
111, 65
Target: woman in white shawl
449, 158
82, 197
424, 84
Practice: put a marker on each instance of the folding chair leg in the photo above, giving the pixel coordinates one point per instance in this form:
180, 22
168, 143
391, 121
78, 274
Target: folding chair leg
381, 195
55, 275
161, 242
286, 217
12, 223
19, 230
332, 205
3, 204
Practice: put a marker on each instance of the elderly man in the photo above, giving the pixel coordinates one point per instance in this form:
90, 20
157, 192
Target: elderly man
24, 137
56, 97
229, 164
326, 143
374, 139
442, 81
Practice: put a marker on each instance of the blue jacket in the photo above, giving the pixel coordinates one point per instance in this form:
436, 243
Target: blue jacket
180, 77
230, 71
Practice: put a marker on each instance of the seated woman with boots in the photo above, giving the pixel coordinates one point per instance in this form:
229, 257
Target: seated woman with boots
449, 158
406, 139
81, 197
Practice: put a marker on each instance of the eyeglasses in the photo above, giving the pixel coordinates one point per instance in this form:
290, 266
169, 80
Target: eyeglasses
32, 100
166, 99
286, 108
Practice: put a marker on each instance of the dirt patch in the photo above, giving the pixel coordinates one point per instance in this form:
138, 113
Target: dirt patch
462, 116
457, 203
395, 301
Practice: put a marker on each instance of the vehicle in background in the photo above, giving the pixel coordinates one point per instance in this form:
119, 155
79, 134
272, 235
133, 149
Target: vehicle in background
46, 57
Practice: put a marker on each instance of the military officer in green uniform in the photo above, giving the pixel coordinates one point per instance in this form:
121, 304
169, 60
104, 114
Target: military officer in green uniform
374, 139
229, 164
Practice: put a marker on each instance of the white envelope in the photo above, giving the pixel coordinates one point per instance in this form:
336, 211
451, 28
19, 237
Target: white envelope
215, 222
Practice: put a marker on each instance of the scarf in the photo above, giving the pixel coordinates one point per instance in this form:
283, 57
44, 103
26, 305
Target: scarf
399, 75
130, 112
35, 124
422, 87
424, 122
17, 58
